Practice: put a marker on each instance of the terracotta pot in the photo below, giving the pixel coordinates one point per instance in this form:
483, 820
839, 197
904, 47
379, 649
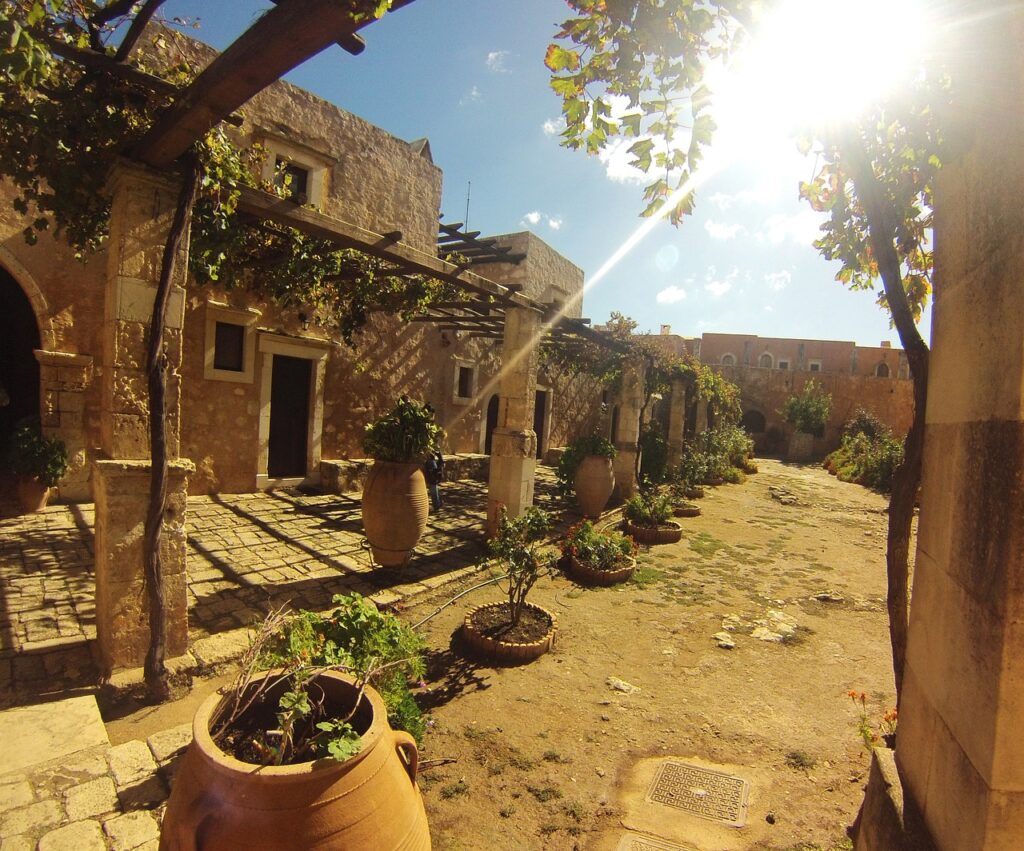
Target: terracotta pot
667, 534
588, 575
395, 509
594, 482
506, 651
686, 510
32, 494
369, 801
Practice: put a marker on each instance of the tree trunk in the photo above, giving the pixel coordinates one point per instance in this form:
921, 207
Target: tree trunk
882, 233
155, 669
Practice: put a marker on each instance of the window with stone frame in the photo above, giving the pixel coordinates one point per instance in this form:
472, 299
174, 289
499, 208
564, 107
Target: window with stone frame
814, 366
464, 383
230, 345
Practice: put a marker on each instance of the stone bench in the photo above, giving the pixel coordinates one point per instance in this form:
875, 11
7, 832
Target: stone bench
347, 475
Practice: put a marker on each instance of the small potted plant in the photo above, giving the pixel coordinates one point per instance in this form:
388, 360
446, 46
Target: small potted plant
395, 504
310, 737
598, 558
586, 468
515, 631
38, 461
648, 518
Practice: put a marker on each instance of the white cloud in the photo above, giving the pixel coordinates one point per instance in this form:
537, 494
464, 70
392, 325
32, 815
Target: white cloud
616, 159
496, 61
802, 228
670, 295
719, 286
554, 126
531, 218
778, 280
554, 222
717, 230
472, 96
535, 217
769, 309
762, 194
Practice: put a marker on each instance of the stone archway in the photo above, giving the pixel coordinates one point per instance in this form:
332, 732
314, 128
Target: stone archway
19, 369
40, 310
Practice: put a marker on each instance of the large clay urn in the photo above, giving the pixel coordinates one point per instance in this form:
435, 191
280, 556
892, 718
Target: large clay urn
33, 495
594, 483
395, 509
368, 801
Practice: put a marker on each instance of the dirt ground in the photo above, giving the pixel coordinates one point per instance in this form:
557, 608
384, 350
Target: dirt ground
547, 755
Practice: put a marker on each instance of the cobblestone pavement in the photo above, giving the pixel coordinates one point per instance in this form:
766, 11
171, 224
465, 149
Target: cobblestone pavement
246, 554
105, 797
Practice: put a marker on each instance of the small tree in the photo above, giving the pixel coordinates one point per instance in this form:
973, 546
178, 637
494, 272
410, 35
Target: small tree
808, 410
517, 545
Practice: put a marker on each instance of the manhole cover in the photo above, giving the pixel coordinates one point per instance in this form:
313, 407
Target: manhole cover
708, 794
632, 842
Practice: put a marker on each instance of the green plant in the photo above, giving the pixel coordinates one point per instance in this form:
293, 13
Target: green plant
653, 453
599, 550
865, 422
575, 452
407, 433
375, 647
868, 455
691, 471
808, 410
648, 508
517, 546
734, 476
36, 456
868, 735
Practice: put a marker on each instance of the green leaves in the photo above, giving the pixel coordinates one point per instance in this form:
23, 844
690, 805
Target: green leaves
559, 59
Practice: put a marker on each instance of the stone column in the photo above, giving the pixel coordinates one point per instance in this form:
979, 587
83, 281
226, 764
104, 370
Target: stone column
702, 416
676, 422
63, 379
631, 400
142, 208
960, 746
514, 443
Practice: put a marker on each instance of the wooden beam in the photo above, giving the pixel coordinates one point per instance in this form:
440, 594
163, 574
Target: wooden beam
283, 38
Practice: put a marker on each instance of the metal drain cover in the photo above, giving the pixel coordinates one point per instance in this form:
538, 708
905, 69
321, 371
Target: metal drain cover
704, 793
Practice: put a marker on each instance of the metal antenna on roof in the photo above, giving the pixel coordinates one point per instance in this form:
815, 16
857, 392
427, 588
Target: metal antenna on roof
469, 185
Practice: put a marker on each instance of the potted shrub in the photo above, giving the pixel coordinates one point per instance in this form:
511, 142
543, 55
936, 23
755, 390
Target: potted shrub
648, 518
596, 557
395, 504
38, 461
807, 411
515, 631
586, 467
308, 738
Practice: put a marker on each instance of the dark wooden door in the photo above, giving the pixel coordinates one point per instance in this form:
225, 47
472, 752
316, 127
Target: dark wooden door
540, 415
19, 369
289, 417
492, 423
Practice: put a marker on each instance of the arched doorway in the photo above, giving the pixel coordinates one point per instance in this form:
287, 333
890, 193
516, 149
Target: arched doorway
492, 423
753, 422
19, 370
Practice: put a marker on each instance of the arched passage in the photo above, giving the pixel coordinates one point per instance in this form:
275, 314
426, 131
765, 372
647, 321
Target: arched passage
19, 370
491, 423
753, 422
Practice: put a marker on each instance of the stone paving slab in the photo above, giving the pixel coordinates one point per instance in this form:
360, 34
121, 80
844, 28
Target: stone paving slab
32, 734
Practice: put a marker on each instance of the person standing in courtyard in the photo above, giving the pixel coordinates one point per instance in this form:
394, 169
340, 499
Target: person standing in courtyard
433, 469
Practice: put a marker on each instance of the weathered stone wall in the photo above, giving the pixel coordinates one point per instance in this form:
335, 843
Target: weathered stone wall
544, 275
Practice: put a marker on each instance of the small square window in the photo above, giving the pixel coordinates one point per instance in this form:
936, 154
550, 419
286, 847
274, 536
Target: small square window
783, 364
465, 389
229, 347
814, 366
295, 178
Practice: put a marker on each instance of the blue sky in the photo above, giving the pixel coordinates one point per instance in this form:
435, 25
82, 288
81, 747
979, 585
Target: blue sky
469, 75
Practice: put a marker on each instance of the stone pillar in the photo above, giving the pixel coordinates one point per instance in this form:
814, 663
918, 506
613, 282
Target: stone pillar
676, 422
63, 379
631, 400
702, 415
960, 746
142, 208
514, 443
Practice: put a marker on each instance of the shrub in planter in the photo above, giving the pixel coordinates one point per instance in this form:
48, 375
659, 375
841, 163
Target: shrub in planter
653, 453
601, 558
808, 410
515, 630
395, 504
38, 461
648, 518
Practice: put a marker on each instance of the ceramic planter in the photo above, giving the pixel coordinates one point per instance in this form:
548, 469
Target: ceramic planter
594, 483
395, 509
32, 494
506, 652
584, 573
368, 801
666, 534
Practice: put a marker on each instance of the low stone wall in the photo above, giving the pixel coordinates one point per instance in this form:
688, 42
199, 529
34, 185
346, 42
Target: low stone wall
347, 475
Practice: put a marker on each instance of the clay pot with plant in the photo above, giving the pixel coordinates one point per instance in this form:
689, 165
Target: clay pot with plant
39, 462
515, 631
586, 468
648, 516
299, 753
597, 557
395, 504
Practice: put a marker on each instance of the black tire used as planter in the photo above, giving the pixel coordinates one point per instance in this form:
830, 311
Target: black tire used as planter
506, 652
588, 575
669, 533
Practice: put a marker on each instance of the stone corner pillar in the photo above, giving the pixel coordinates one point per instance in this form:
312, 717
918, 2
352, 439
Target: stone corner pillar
122, 605
627, 445
676, 422
63, 379
514, 443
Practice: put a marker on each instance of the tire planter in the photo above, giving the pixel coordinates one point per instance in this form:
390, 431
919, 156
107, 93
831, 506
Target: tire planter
32, 495
686, 511
368, 801
667, 534
507, 652
594, 483
395, 508
592, 576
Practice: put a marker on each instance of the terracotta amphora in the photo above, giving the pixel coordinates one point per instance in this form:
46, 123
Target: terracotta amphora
395, 509
594, 483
